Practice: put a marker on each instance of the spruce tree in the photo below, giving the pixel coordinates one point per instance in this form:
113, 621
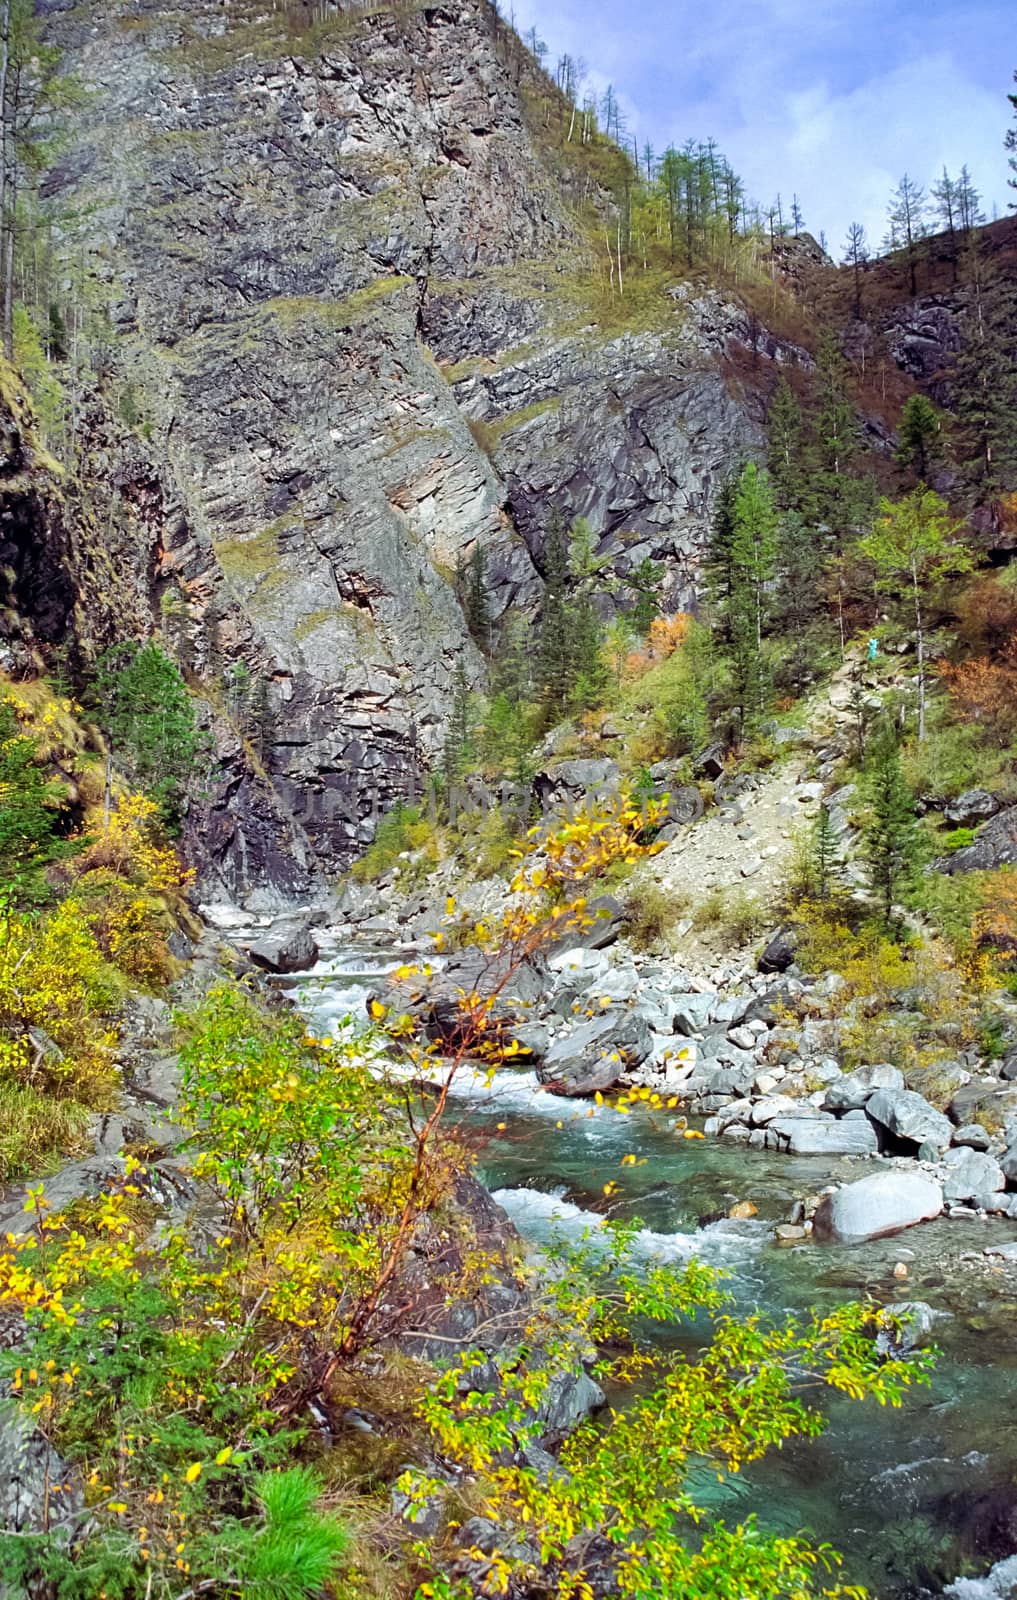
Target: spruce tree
717, 569
1011, 145
554, 643
984, 384
919, 437
753, 554
475, 602
824, 852
892, 840
459, 731
785, 428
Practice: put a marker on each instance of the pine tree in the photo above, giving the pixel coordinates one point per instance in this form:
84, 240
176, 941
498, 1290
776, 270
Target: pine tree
892, 841
919, 436
645, 584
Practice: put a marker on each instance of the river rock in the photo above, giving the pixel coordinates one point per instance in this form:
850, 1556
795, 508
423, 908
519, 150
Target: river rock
906, 1326
287, 948
909, 1116
819, 1136
854, 1089
970, 1175
710, 763
693, 1013
881, 1204
593, 1056
972, 1136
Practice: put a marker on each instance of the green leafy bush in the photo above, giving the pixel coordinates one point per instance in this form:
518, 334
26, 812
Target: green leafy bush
143, 705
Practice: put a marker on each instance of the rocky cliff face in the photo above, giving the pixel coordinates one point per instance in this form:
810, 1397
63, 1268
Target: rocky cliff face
325, 250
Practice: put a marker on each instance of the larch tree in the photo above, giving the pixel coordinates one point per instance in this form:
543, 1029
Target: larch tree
912, 547
856, 254
908, 226
1011, 144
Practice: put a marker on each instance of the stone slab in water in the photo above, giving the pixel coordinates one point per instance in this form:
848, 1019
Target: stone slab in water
878, 1205
806, 1136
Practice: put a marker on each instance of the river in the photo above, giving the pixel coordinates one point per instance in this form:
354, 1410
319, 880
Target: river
911, 1497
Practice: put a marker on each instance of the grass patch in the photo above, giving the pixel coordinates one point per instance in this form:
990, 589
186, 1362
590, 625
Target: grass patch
336, 313
489, 435
404, 830
652, 912
734, 913
36, 1131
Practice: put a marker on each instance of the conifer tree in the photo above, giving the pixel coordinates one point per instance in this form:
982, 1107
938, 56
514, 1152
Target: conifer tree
912, 546
459, 731
892, 840
824, 852
554, 644
856, 254
919, 436
908, 227
753, 552
717, 568
786, 455
984, 382
1011, 144
475, 602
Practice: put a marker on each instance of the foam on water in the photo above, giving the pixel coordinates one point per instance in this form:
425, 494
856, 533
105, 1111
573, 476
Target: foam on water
544, 1218
999, 1584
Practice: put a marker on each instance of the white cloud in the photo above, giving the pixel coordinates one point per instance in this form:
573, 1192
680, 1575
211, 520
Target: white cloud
832, 102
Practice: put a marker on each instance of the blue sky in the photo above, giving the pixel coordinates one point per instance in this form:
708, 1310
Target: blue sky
831, 100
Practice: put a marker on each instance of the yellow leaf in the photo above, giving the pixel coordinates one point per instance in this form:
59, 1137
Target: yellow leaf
193, 1472
450, 906
223, 1456
377, 1010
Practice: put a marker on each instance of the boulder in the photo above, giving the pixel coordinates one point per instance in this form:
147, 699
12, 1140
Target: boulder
910, 1117
693, 1013
851, 1091
780, 951
971, 808
881, 1204
818, 1136
994, 846
593, 1056
970, 1175
710, 762
906, 1326
972, 1136
289, 947
999, 1583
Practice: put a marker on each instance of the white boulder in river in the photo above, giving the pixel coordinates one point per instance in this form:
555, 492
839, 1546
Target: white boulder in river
878, 1205
998, 1584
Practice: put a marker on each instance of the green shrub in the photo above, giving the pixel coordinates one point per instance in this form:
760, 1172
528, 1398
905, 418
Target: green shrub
143, 706
733, 912
29, 816
652, 913
401, 831
958, 839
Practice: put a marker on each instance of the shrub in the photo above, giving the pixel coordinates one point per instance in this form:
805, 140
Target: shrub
401, 831
29, 815
733, 912
652, 913
143, 705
